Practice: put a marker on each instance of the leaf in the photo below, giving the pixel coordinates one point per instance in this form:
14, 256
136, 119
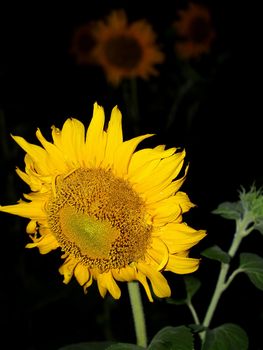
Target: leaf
124, 346
88, 346
252, 265
172, 338
229, 210
229, 336
192, 284
259, 225
216, 253
196, 328
176, 301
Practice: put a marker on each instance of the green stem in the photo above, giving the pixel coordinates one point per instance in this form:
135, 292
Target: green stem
221, 282
193, 312
138, 314
232, 276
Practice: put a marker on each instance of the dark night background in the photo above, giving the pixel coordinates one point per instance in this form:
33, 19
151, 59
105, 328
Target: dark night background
41, 85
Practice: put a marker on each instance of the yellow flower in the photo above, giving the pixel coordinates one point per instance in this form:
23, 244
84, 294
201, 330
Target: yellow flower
126, 50
115, 213
195, 29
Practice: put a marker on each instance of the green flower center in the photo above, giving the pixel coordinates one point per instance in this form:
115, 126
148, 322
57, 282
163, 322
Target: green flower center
123, 52
92, 236
98, 219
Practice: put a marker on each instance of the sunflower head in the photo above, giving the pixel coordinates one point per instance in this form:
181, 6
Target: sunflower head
115, 213
126, 50
195, 30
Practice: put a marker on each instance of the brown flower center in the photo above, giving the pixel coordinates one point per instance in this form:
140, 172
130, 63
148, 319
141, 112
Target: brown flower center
123, 52
199, 29
98, 219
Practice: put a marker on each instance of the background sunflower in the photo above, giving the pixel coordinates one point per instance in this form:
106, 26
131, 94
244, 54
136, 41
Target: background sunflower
215, 118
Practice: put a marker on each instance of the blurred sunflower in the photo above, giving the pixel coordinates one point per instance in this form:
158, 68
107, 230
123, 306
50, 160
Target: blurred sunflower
126, 50
195, 29
82, 43
115, 213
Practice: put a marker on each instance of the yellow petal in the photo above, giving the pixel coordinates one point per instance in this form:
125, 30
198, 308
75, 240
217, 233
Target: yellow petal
179, 236
35, 180
72, 141
31, 227
87, 284
25, 177
56, 136
159, 284
159, 252
114, 136
107, 282
165, 211
144, 161
164, 190
102, 289
37, 153
170, 209
182, 265
82, 274
95, 138
33, 210
55, 156
142, 279
125, 274
67, 269
164, 173
45, 244
130, 273
183, 200
124, 153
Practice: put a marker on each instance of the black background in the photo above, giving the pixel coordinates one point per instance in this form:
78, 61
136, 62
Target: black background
42, 85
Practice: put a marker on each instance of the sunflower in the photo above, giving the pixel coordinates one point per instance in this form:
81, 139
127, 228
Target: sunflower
126, 50
115, 213
195, 29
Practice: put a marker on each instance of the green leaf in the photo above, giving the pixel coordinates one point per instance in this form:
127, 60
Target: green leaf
229, 210
172, 338
252, 265
196, 328
192, 284
259, 225
176, 301
88, 346
229, 336
124, 346
216, 253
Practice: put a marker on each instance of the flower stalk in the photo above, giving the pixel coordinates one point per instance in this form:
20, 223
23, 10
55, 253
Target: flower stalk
138, 314
223, 282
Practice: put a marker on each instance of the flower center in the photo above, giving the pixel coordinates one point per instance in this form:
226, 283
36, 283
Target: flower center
123, 52
98, 219
199, 29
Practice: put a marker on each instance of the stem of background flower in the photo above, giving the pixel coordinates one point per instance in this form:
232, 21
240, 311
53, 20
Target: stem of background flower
138, 314
222, 284
177, 100
130, 94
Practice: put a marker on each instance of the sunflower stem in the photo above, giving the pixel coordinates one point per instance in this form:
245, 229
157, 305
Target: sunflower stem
138, 314
222, 281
